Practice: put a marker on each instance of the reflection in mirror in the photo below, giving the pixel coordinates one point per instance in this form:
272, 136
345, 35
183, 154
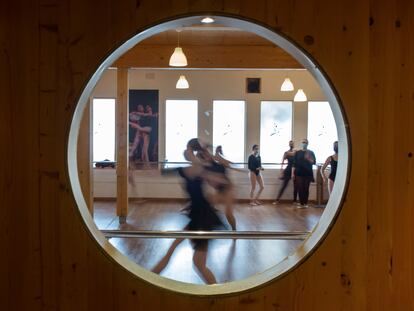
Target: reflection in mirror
256, 205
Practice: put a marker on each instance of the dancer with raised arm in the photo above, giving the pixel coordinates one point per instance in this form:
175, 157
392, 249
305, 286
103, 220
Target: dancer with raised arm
224, 192
201, 213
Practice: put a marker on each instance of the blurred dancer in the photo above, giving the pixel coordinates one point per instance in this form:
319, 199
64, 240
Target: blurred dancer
201, 213
225, 191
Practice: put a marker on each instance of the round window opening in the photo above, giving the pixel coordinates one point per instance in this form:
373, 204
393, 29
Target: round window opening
209, 150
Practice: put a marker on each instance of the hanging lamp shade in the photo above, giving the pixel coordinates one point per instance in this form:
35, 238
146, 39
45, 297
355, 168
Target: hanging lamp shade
300, 96
207, 20
182, 83
178, 58
287, 86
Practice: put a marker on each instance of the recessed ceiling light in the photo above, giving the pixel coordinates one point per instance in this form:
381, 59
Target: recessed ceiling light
207, 20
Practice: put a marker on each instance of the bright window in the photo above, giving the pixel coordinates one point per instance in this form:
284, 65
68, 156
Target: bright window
180, 126
229, 128
275, 130
103, 129
322, 130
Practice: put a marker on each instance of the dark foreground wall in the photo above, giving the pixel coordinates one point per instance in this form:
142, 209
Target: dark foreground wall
48, 51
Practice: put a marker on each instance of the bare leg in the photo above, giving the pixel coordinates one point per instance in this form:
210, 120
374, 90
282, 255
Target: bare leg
135, 143
164, 260
146, 140
253, 186
227, 199
199, 260
261, 186
228, 202
330, 185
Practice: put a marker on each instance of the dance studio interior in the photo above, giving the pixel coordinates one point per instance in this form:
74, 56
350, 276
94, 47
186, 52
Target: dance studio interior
219, 155
219, 107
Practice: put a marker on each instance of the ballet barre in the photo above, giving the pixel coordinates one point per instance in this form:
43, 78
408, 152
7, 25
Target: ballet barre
247, 235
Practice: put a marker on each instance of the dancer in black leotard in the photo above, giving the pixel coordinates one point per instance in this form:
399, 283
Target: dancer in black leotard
201, 213
255, 166
286, 174
333, 161
225, 191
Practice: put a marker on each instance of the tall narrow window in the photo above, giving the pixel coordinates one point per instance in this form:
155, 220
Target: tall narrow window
275, 130
103, 129
180, 126
229, 128
322, 130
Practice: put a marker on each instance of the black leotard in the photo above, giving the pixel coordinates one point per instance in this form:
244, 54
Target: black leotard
287, 173
334, 165
201, 213
219, 168
254, 163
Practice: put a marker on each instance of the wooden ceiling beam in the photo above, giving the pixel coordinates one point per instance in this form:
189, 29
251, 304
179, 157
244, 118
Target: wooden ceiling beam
157, 56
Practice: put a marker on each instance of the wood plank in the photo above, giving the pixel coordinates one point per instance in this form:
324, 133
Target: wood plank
85, 145
202, 35
6, 154
229, 261
390, 265
210, 56
49, 50
121, 134
21, 282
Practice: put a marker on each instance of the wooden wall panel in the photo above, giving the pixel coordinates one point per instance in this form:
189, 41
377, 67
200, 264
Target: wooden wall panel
121, 133
6, 176
20, 142
210, 56
391, 140
49, 50
85, 151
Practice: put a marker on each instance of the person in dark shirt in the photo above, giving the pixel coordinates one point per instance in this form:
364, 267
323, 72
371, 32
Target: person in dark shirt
303, 172
255, 166
333, 161
286, 174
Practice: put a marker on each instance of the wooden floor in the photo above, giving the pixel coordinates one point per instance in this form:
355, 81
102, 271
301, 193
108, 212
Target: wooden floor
228, 260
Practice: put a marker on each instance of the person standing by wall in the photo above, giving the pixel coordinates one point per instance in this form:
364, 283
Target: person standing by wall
303, 172
333, 161
255, 166
286, 173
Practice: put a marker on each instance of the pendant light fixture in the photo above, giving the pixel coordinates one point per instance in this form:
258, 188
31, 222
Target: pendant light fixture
178, 58
300, 96
207, 20
287, 86
182, 83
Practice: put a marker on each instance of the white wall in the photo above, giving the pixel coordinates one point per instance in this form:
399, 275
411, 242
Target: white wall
150, 184
206, 86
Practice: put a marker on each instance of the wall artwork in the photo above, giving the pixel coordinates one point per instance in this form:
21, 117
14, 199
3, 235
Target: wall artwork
252, 85
143, 129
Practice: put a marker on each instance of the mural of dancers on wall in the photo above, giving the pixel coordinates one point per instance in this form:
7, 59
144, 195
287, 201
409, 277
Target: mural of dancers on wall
143, 128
